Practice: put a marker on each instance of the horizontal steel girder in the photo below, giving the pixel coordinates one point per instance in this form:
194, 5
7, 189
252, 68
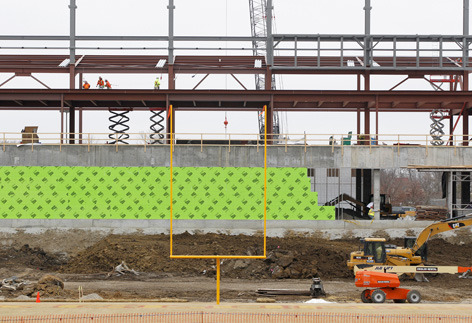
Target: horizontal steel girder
241, 100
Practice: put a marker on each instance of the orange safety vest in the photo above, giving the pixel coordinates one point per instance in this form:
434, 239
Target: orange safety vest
108, 85
86, 86
100, 83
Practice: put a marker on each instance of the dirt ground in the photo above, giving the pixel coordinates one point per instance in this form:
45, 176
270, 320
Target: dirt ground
291, 263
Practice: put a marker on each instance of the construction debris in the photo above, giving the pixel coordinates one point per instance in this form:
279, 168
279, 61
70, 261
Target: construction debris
467, 274
316, 290
122, 269
91, 297
431, 213
13, 283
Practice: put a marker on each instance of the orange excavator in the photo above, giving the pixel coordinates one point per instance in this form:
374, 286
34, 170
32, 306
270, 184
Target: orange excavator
375, 251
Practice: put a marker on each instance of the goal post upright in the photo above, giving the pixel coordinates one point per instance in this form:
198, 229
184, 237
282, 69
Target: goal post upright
216, 257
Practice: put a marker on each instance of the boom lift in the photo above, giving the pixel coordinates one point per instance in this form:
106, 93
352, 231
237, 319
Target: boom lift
386, 287
414, 251
464, 271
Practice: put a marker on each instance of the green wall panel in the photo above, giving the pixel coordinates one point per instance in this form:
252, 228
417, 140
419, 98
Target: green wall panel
143, 193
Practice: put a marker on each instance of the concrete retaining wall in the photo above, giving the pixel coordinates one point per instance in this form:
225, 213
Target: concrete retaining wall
241, 156
329, 229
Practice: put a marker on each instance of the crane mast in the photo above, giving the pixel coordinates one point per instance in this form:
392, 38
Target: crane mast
257, 10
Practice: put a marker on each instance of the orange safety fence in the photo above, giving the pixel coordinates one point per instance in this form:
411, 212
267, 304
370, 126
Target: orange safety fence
203, 317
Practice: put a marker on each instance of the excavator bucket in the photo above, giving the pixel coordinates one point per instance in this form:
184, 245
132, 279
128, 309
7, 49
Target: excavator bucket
421, 278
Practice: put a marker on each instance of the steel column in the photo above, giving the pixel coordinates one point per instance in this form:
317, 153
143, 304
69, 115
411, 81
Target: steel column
72, 8
451, 127
465, 126
270, 120
367, 110
268, 79
465, 32
170, 49
62, 117
367, 40
270, 40
377, 119
169, 118
80, 110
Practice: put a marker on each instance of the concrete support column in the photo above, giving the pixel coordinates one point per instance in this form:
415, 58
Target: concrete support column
376, 194
449, 196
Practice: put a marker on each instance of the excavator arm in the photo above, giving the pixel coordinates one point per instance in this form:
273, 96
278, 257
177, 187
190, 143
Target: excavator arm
438, 227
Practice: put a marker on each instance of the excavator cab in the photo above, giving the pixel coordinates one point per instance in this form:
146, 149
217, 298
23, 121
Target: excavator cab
375, 248
409, 243
372, 252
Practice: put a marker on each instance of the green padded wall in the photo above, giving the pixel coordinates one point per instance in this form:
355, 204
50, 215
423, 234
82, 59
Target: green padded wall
143, 193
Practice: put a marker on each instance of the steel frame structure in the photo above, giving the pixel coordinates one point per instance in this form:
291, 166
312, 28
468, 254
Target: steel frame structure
361, 55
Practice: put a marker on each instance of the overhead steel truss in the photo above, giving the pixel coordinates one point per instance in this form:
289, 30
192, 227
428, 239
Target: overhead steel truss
359, 54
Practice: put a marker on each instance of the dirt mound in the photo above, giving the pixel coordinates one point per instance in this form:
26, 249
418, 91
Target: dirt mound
49, 285
290, 257
30, 257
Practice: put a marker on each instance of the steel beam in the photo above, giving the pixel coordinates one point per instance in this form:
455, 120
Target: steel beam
170, 49
412, 101
367, 38
72, 8
270, 40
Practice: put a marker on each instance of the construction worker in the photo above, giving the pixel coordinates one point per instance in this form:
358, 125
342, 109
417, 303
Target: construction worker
86, 85
157, 84
100, 83
371, 209
107, 85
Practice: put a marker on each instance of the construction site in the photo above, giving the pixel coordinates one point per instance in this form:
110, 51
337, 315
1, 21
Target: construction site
176, 189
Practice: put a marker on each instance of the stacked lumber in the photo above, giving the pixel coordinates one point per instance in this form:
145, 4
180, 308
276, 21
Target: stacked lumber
431, 213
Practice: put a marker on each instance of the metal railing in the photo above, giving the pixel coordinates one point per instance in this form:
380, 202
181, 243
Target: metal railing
335, 140
351, 52
429, 51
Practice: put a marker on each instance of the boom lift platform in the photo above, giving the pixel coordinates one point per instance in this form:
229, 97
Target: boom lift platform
386, 287
464, 271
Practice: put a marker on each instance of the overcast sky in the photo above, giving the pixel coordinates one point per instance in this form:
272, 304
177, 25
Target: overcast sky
220, 17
